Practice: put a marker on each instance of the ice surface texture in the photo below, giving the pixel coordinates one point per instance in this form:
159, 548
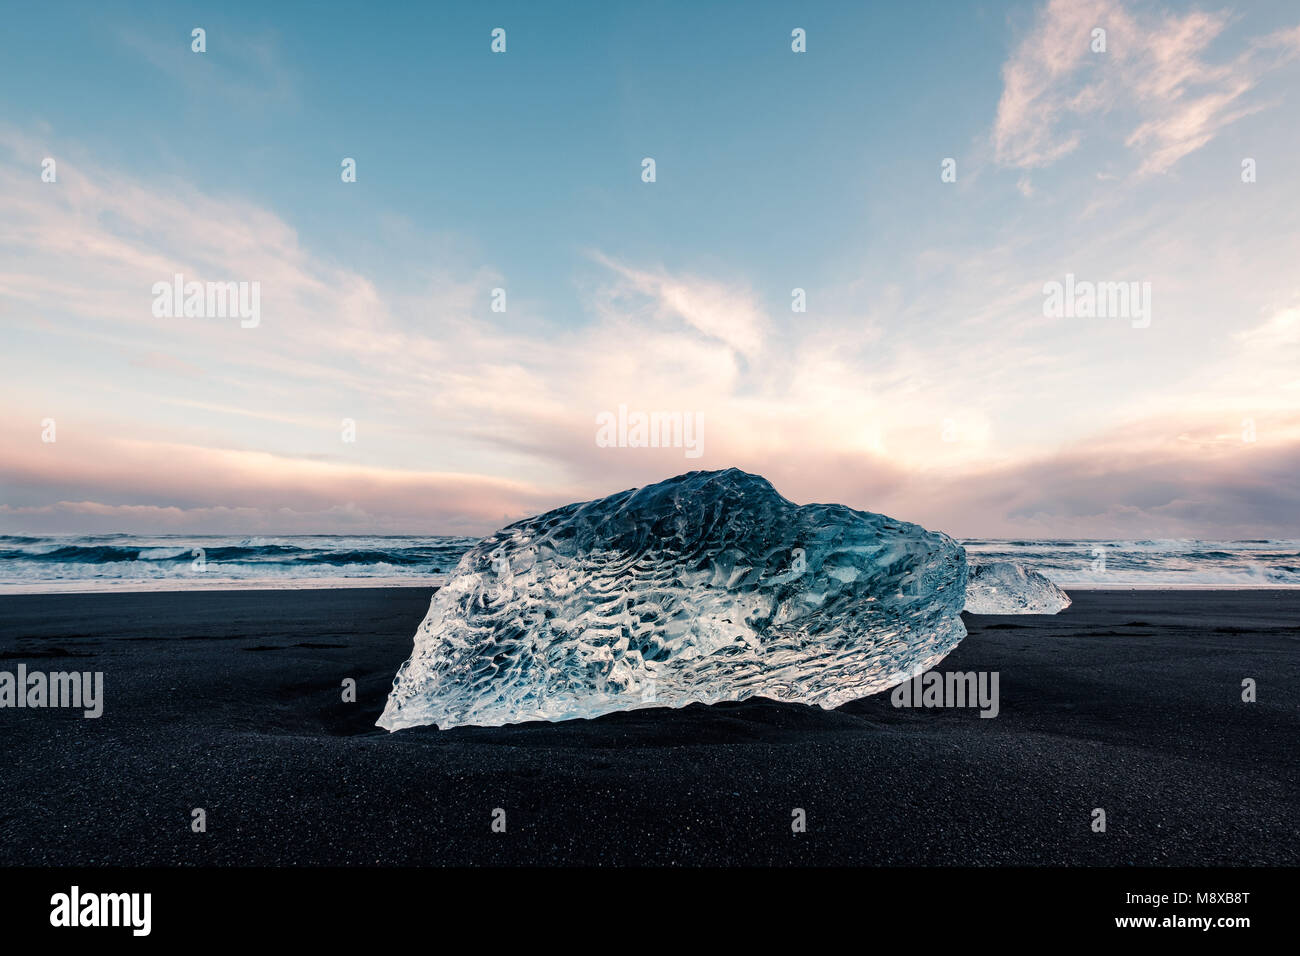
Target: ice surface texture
1003, 587
707, 587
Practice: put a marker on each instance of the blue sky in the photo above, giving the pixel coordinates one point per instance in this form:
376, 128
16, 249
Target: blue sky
778, 163
924, 379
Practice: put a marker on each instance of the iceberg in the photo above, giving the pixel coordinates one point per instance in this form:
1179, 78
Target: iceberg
1004, 587
706, 587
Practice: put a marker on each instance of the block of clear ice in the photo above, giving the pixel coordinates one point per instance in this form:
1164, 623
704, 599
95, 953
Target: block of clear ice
706, 587
1004, 587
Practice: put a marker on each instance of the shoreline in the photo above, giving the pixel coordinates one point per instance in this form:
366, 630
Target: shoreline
346, 584
186, 587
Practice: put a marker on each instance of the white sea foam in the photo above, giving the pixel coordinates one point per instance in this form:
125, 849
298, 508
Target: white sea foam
165, 562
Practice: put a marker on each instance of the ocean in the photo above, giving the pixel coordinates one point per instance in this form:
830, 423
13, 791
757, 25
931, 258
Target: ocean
124, 562
121, 562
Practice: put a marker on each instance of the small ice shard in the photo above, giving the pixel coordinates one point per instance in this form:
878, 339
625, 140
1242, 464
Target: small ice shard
706, 587
1004, 587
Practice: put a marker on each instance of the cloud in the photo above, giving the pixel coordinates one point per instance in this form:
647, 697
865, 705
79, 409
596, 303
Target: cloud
1156, 77
1269, 355
156, 486
464, 418
247, 70
726, 313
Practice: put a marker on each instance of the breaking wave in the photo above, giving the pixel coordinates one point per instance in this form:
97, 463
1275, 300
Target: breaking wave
141, 562
165, 562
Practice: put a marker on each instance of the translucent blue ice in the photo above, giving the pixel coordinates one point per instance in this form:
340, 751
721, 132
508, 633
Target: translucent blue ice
707, 587
1004, 587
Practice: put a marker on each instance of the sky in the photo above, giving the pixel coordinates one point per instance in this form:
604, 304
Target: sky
923, 172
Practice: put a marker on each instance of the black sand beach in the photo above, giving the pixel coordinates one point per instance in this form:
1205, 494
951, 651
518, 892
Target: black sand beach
231, 701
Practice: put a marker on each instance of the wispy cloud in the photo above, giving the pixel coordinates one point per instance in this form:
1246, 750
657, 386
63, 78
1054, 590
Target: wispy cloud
247, 70
726, 313
1160, 77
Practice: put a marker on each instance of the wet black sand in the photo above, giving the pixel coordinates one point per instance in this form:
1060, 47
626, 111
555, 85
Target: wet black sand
231, 701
